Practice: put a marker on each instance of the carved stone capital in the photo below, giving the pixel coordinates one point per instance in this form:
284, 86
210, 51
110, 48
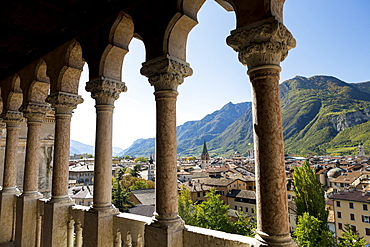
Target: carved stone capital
12, 118
105, 90
64, 103
166, 72
2, 125
267, 43
35, 112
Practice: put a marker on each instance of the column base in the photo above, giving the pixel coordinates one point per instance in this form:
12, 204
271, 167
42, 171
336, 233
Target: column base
10, 191
7, 216
263, 239
56, 218
26, 220
98, 227
164, 232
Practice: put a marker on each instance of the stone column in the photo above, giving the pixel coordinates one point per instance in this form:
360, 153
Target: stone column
96, 233
165, 74
262, 47
56, 210
27, 209
9, 191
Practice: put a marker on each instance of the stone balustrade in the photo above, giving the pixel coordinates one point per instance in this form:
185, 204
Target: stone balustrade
129, 231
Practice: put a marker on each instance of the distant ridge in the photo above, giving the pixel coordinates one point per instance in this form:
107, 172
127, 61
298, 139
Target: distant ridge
190, 135
321, 114
77, 147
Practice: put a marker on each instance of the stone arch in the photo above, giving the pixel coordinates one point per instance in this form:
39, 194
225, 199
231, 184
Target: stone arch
105, 58
12, 94
39, 88
70, 73
64, 67
120, 37
254, 10
181, 24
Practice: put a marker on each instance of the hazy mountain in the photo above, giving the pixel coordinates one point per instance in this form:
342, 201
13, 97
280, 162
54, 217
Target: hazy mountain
192, 133
320, 114
81, 148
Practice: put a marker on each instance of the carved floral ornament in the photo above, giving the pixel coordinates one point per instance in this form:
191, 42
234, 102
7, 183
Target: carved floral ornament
64, 102
166, 72
35, 111
264, 44
12, 117
105, 88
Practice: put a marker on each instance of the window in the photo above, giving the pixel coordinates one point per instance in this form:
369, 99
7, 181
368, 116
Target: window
365, 218
352, 216
198, 194
339, 215
246, 209
234, 185
252, 210
367, 231
249, 187
340, 226
236, 207
351, 205
338, 203
241, 209
353, 228
364, 207
289, 196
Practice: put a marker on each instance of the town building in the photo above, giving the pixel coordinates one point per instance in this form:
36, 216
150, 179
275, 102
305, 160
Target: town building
204, 157
352, 207
198, 191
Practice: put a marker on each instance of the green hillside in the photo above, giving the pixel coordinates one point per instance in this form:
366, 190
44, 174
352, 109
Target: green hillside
321, 115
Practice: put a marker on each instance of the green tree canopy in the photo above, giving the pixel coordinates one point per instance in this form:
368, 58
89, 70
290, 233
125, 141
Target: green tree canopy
350, 238
309, 232
141, 159
135, 171
309, 194
120, 196
212, 214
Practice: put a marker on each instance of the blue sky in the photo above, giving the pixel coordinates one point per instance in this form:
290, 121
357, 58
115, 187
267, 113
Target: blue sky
333, 38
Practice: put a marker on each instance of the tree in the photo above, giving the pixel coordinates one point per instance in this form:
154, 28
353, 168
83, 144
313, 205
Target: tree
141, 159
350, 238
90, 156
309, 194
135, 171
309, 232
212, 214
186, 207
120, 196
129, 182
126, 157
139, 185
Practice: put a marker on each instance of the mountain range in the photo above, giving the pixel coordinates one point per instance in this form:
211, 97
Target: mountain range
77, 147
321, 114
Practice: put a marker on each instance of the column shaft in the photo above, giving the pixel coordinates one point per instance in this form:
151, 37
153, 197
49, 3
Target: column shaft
262, 46
166, 155
9, 191
165, 74
103, 157
11, 153
56, 211
105, 91
61, 156
31, 170
271, 192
